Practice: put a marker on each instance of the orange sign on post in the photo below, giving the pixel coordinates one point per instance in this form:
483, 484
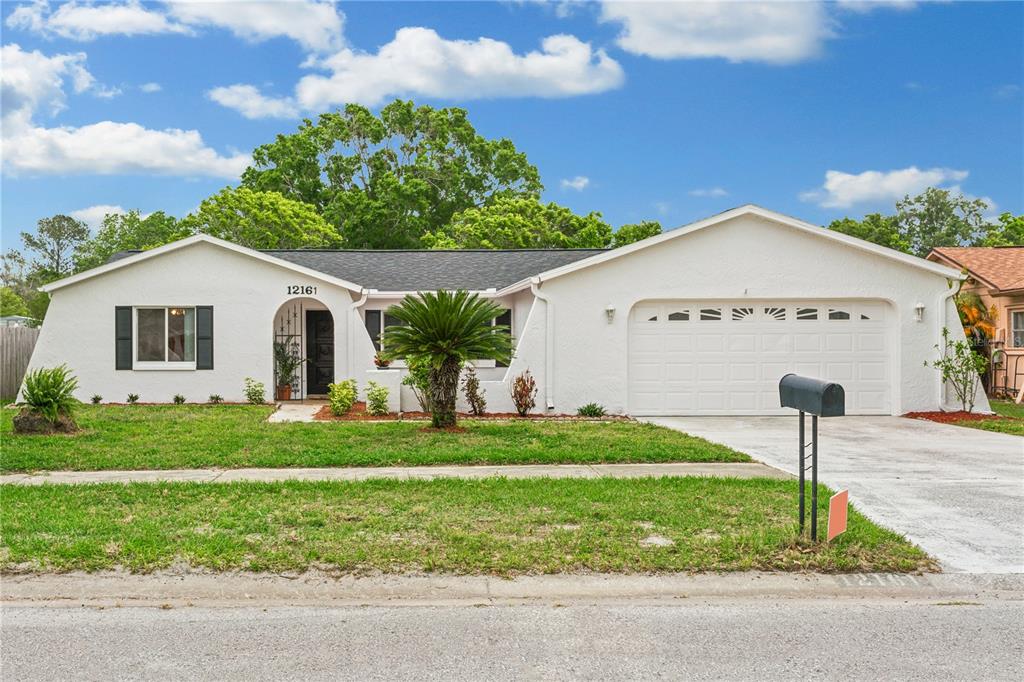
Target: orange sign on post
837, 506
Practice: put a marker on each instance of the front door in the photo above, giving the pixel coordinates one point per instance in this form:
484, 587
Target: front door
319, 351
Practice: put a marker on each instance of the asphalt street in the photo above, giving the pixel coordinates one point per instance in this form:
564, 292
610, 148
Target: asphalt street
725, 638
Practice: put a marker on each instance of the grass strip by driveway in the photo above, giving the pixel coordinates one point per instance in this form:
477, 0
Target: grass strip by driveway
1011, 418
233, 436
493, 526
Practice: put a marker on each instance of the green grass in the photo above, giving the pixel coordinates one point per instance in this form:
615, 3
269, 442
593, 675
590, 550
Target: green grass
232, 436
490, 526
1012, 418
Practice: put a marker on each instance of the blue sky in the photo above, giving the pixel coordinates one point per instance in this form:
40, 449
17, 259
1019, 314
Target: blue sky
640, 111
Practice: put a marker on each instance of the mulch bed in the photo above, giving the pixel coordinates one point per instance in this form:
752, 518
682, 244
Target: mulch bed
952, 417
359, 413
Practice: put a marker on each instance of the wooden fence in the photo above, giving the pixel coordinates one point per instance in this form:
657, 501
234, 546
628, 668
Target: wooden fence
16, 344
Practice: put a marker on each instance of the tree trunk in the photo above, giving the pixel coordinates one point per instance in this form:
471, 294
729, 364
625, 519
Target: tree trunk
444, 387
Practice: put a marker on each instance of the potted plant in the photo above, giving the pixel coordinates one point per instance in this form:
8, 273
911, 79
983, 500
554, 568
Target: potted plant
286, 363
381, 361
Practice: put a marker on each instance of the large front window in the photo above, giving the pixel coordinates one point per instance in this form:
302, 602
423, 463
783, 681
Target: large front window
1017, 328
165, 335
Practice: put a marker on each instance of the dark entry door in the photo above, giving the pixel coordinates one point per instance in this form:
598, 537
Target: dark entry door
319, 350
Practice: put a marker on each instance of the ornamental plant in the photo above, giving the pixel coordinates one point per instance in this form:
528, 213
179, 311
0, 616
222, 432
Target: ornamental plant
133, 398
961, 368
524, 393
376, 399
418, 379
96, 399
591, 410
474, 394
255, 392
49, 393
179, 399
445, 330
341, 396
215, 399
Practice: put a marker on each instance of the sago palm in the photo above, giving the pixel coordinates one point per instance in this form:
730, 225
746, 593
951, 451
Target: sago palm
445, 330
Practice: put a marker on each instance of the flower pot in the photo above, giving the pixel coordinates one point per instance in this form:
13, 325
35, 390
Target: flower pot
284, 392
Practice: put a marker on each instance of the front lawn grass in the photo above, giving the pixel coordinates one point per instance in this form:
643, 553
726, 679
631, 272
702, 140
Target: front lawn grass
489, 526
1011, 418
233, 436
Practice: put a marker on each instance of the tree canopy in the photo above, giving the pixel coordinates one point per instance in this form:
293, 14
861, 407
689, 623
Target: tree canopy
627, 234
54, 244
385, 181
127, 232
261, 220
11, 303
1009, 231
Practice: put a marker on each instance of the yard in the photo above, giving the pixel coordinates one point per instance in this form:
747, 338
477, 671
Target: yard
1011, 418
233, 436
491, 526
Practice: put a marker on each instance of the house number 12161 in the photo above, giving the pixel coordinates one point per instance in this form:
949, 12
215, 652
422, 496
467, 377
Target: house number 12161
297, 289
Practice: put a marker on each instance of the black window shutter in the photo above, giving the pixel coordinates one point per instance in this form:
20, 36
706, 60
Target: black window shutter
123, 337
204, 337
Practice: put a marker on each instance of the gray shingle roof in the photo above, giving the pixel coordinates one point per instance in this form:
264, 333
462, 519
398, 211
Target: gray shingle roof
472, 269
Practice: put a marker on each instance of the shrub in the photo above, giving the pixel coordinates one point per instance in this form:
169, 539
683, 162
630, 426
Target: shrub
591, 410
376, 399
418, 379
133, 398
255, 392
342, 395
49, 393
215, 399
179, 399
961, 367
524, 393
96, 399
474, 394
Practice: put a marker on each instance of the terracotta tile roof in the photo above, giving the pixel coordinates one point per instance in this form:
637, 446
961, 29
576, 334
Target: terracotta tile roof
1000, 266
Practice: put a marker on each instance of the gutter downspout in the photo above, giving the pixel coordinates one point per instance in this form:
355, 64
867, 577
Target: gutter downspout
351, 333
549, 343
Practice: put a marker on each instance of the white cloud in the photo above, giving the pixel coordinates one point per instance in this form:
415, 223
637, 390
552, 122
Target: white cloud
86, 21
314, 24
773, 32
1008, 91
420, 62
150, 87
578, 183
708, 192
865, 6
93, 215
842, 190
32, 81
248, 101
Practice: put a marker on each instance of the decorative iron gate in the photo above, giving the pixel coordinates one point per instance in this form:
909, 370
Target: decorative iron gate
289, 329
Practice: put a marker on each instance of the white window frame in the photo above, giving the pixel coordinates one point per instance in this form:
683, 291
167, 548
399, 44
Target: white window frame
165, 364
1011, 341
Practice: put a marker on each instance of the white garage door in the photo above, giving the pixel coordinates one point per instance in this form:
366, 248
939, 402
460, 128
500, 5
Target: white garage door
704, 357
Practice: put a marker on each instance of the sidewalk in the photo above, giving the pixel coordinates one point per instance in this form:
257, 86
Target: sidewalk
724, 469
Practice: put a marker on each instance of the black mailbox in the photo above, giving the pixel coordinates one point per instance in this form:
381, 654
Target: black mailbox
814, 396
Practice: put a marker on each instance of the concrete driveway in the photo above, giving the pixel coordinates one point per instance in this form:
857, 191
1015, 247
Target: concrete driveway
956, 492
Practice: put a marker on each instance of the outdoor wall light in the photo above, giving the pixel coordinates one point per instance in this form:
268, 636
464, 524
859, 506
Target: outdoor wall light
919, 312
610, 312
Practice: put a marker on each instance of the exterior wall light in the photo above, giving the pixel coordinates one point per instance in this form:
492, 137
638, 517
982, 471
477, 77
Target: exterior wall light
919, 312
610, 312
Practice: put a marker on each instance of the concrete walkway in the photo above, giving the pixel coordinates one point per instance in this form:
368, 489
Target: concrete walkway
732, 470
956, 492
296, 412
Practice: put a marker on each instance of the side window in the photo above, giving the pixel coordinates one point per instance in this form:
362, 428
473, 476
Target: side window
373, 326
504, 320
1017, 328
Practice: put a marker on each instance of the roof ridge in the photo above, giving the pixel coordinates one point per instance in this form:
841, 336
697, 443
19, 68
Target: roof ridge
543, 250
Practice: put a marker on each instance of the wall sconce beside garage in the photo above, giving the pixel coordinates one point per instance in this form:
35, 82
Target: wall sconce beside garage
609, 311
919, 312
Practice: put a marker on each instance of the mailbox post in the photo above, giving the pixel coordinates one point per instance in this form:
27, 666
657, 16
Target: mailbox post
820, 399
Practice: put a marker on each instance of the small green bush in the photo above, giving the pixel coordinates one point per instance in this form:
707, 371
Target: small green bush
179, 399
96, 399
50, 392
342, 395
376, 399
591, 410
418, 379
255, 391
215, 399
524, 393
133, 398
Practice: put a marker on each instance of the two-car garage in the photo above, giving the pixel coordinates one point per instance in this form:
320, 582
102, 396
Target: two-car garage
726, 357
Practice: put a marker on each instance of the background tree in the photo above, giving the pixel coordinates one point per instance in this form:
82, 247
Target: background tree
521, 223
627, 234
11, 303
875, 227
54, 244
127, 232
261, 220
1008, 231
444, 330
385, 181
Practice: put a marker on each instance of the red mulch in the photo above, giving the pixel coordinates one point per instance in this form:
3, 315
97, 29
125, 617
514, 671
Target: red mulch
358, 413
951, 417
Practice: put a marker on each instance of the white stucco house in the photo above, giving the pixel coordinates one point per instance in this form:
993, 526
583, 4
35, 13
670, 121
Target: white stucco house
703, 319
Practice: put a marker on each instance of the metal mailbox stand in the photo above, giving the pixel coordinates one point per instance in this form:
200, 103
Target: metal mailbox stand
821, 399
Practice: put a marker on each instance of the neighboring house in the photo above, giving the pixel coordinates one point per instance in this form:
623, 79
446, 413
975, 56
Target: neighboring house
16, 321
996, 275
703, 319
